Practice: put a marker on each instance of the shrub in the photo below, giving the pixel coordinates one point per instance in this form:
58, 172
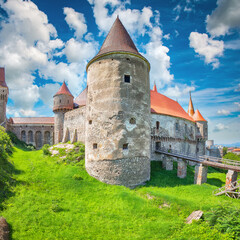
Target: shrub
6, 146
17, 142
232, 156
226, 219
45, 150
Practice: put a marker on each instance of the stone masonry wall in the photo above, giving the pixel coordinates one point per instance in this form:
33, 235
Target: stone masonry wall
181, 138
118, 118
74, 125
3, 102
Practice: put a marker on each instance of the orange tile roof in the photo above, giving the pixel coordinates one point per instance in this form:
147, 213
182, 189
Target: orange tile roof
161, 104
63, 90
81, 99
2, 78
32, 120
118, 40
198, 116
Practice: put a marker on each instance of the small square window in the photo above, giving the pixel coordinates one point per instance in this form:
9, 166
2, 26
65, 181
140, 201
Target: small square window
90, 121
127, 78
95, 146
125, 146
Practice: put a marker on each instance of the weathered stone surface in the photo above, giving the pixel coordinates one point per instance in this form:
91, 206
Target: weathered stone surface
169, 163
3, 103
231, 177
200, 176
182, 168
129, 172
196, 215
4, 229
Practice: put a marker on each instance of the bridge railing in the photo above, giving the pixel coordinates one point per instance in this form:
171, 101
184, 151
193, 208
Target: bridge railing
220, 160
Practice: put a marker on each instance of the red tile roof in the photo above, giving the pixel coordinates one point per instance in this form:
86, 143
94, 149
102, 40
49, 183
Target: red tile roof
118, 40
64, 90
161, 104
2, 78
81, 99
198, 116
32, 120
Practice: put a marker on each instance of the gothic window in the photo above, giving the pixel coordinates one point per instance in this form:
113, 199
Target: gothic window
127, 78
47, 137
23, 136
38, 139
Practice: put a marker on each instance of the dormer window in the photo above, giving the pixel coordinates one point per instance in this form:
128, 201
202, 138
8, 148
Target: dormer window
127, 78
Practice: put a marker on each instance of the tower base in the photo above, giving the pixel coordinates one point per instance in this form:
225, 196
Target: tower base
129, 172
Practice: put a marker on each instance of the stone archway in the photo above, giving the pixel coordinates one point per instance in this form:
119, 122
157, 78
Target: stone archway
30, 136
38, 139
47, 137
23, 135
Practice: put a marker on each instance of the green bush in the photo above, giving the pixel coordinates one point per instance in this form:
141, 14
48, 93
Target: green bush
232, 156
45, 150
225, 219
6, 146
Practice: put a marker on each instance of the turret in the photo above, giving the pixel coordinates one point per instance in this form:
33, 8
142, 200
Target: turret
3, 96
118, 112
201, 133
62, 103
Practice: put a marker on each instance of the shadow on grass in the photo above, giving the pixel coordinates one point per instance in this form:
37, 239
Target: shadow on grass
163, 178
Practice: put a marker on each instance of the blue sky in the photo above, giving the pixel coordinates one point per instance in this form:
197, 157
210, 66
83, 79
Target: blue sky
192, 45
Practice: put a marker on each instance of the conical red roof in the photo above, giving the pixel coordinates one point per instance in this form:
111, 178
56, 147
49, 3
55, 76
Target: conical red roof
154, 88
2, 78
190, 107
198, 116
64, 90
118, 40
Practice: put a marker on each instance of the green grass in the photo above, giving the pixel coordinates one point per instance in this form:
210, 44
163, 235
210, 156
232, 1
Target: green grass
58, 200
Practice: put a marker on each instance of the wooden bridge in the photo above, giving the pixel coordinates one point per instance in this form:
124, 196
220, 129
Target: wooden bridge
202, 163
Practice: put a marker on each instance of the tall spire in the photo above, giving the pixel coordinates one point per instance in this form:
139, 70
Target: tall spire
2, 78
118, 40
190, 106
154, 87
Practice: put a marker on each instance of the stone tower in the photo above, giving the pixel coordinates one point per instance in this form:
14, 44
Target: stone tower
3, 97
118, 112
62, 102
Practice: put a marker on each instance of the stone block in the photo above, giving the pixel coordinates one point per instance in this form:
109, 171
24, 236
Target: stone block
169, 163
200, 174
182, 168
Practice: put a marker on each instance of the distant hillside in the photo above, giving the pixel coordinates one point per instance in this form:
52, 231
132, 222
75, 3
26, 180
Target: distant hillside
237, 144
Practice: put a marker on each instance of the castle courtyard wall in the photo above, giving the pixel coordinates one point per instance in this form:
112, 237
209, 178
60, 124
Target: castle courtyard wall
173, 133
74, 125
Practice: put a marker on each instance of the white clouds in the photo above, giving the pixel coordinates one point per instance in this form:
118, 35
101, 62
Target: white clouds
178, 91
76, 21
223, 112
207, 47
220, 127
46, 93
77, 51
224, 17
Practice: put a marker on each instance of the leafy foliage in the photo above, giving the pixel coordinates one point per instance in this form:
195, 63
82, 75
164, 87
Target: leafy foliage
232, 156
6, 146
225, 151
45, 150
226, 219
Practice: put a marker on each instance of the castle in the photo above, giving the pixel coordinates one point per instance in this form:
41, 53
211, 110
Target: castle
120, 120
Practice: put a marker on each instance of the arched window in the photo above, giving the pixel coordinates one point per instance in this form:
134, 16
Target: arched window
23, 136
30, 136
38, 139
47, 137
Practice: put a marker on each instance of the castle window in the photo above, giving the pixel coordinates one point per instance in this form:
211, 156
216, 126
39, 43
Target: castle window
191, 129
127, 78
158, 145
177, 126
90, 121
197, 150
95, 146
128, 59
157, 125
125, 146
68, 101
132, 121
185, 128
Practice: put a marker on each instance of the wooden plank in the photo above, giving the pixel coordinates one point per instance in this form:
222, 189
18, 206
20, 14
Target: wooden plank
196, 215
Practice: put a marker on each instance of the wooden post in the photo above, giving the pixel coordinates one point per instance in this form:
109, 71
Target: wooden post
231, 177
200, 174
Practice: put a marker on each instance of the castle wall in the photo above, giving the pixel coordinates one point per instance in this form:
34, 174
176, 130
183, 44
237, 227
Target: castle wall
74, 125
3, 102
35, 134
172, 133
118, 120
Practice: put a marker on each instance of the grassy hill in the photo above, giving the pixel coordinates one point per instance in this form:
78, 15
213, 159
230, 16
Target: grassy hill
57, 199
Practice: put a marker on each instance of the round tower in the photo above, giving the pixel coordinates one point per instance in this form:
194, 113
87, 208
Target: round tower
118, 112
62, 103
3, 96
